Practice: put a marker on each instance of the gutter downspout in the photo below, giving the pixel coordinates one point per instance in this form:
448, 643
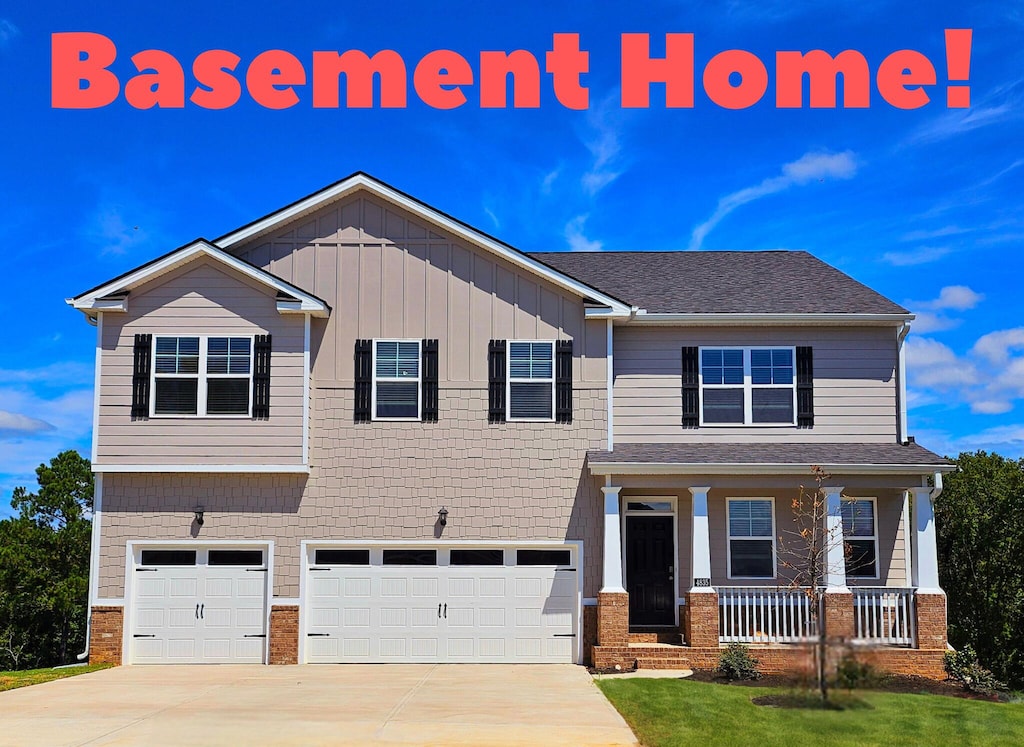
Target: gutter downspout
610, 390
937, 489
901, 427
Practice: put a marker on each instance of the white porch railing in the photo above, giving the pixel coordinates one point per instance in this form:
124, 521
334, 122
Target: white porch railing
757, 614
884, 615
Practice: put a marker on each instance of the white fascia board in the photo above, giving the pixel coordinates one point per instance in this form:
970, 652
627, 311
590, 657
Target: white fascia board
605, 312
288, 469
362, 181
789, 320
95, 299
663, 468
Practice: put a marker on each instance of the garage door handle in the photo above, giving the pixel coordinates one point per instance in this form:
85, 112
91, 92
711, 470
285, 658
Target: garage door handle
564, 635
317, 635
439, 610
255, 635
202, 610
144, 635
446, 611
197, 611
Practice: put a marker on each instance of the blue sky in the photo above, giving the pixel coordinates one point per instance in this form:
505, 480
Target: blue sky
927, 206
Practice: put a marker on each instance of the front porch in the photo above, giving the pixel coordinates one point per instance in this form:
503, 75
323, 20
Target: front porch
688, 570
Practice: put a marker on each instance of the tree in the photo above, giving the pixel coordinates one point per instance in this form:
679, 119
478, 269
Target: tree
44, 566
980, 535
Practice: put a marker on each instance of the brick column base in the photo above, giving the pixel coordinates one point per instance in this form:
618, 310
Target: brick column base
930, 610
612, 619
106, 625
839, 623
284, 634
701, 621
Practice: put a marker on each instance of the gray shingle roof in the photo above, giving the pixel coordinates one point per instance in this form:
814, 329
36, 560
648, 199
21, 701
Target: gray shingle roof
807, 454
775, 282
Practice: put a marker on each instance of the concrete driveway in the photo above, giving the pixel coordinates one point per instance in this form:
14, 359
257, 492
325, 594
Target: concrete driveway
422, 704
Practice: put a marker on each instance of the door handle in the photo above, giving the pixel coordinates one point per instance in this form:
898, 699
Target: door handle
202, 610
445, 610
439, 610
197, 611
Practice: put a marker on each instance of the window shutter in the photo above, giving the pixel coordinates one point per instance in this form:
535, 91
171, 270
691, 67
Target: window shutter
261, 378
563, 381
364, 380
691, 387
428, 373
496, 381
804, 387
140, 376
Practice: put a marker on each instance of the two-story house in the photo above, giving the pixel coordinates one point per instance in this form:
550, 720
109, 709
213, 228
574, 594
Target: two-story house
359, 430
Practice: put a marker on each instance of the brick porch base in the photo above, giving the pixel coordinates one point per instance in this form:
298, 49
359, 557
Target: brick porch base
105, 631
284, 634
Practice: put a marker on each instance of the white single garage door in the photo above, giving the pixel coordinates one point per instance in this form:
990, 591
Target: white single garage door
201, 606
441, 605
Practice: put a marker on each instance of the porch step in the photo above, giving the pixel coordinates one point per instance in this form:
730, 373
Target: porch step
652, 655
655, 635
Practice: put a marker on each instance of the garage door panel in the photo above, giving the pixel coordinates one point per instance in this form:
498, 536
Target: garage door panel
492, 587
358, 587
423, 587
355, 617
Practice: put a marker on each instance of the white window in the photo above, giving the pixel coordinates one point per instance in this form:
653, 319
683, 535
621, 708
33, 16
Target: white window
751, 537
748, 386
396, 380
531, 380
860, 537
202, 376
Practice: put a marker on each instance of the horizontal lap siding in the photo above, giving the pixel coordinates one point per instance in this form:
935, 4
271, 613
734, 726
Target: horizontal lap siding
201, 299
854, 384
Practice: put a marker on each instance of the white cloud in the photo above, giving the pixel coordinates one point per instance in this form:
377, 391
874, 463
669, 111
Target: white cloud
936, 233
1007, 440
7, 32
932, 365
604, 144
991, 407
578, 242
813, 166
920, 256
548, 181
69, 372
927, 322
15, 423
958, 297
952, 297
995, 347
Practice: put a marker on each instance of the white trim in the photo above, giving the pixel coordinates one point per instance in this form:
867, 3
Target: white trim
901, 372
604, 312
925, 564
748, 385
861, 538
612, 569
305, 389
673, 511
97, 384
95, 299
643, 317
393, 380
94, 555
835, 552
287, 469
107, 602
202, 377
700, 538
767, 468
544, 380
368, 183
610, 385
729, 540
284, 601
908, 531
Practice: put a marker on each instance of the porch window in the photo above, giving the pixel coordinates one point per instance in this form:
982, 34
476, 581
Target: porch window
751, 538
860, 537
748, 386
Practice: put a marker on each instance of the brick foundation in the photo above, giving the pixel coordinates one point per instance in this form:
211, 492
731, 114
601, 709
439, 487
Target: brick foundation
931, 621
105, 635
612, 618
839, 625
700, 619
284, 634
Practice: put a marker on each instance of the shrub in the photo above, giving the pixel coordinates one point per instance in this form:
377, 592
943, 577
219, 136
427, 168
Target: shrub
963, 666
736, 663
852, 673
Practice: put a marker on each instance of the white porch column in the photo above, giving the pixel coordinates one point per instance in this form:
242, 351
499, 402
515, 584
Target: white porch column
835, 549
700, 542
925, 561
612, 541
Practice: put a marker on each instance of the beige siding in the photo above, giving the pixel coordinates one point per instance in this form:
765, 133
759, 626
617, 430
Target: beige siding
386, 274
200, 299
382, 481
854, 384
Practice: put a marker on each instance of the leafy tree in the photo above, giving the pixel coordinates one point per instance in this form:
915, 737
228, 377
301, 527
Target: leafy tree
979, 520
44, 566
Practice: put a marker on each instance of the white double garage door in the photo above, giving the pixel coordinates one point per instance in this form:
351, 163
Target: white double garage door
362, 604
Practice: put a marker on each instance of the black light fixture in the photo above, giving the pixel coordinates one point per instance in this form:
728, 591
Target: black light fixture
442, 516
199, 515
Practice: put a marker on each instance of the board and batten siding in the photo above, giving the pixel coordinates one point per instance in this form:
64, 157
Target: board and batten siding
386, 274
200, 299
854, 384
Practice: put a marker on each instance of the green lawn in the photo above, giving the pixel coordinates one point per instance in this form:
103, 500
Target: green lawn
11, 680
680, 712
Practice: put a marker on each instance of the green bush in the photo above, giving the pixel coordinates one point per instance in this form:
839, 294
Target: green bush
736, 663
963, 666
852, 673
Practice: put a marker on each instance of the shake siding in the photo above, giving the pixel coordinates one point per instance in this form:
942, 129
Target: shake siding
854, 384
200, 299
385, 274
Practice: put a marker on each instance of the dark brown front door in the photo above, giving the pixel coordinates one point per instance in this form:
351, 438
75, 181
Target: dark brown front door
650, 570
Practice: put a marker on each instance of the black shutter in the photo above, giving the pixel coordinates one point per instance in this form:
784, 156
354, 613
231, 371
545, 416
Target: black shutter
804, 387
140, 376
496, 381
364, 380
261, 378
428, 363
691, 387
563, 381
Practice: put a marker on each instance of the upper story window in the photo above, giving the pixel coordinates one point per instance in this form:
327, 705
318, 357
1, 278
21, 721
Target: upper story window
751, 538
531, 380
860, 537
747, 386
396, 380
197, 375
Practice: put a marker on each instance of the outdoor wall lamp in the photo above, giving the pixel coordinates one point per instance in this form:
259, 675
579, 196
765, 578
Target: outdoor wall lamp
442, 516
199, 515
